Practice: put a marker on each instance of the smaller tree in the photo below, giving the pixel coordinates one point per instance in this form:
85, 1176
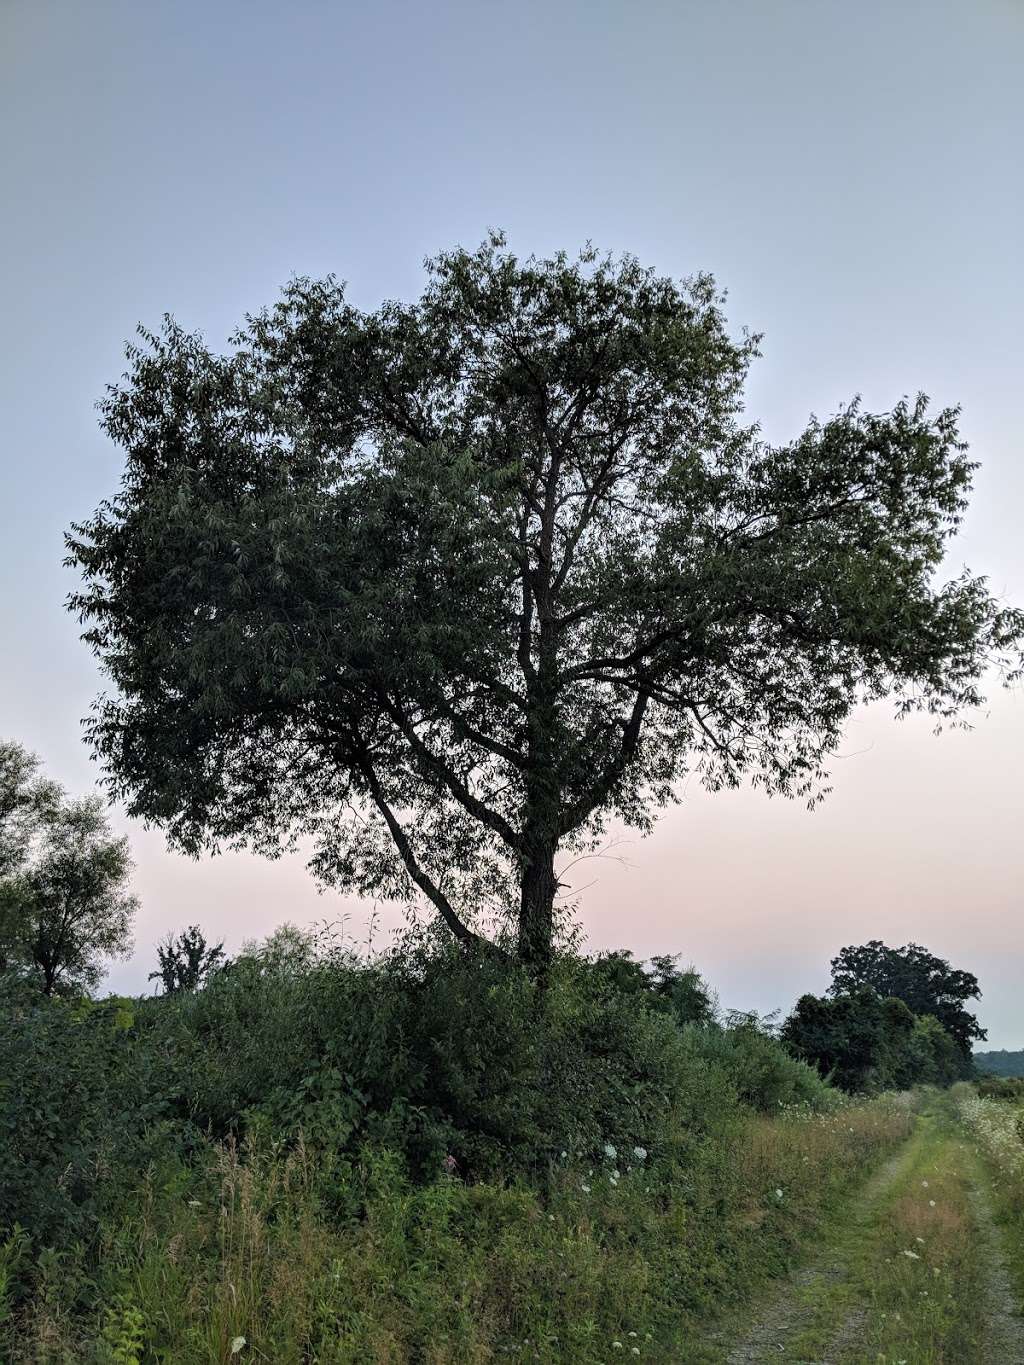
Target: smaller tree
186, 961
64, 903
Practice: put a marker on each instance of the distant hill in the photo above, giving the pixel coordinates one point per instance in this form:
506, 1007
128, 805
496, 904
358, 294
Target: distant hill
1000, 1063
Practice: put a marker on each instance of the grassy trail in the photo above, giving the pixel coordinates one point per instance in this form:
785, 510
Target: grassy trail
915, 1274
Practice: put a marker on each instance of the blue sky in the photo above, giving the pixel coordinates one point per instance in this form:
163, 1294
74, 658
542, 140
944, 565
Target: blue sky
850, 173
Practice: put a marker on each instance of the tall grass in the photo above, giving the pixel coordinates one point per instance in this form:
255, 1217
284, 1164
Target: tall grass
253, 1243
998, 1128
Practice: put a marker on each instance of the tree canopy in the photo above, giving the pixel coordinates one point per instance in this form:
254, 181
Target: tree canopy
447, 585
926, 984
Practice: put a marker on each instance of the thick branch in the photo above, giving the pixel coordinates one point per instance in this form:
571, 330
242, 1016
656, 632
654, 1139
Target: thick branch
491, 819
601, 789
430, 889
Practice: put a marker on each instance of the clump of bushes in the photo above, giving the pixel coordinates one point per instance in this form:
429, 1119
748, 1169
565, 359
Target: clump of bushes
1009, 1088
450, 1136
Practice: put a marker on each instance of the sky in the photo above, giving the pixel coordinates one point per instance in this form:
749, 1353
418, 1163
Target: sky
851, 174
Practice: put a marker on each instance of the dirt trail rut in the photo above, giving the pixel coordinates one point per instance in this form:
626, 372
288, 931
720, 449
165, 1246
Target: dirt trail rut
790, 1309
1004, 1344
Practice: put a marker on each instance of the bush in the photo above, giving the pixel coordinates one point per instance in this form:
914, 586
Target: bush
441, 1059
419, 1156
764, 1075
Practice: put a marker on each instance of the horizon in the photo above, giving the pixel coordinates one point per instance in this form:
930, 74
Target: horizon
852, 199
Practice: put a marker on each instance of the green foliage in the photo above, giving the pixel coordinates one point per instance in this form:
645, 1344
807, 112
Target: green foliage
446, 585
122, 1336
83, 1090
661, 985
764, 1075
450, 1062
926, 984
13, 1256
186, 960
862, 1041
1001, 1087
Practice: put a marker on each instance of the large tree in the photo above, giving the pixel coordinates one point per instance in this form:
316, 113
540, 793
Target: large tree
925, 983
449, 584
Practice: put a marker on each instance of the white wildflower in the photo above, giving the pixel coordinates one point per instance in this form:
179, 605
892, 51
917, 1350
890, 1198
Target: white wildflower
931, 1203
640, 1153
616, 1345
236, 1345
912, 1255
610, 1151
585, 1189
778, 1193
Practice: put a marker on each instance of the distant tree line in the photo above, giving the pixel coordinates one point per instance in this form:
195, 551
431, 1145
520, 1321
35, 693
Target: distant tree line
1000, 1063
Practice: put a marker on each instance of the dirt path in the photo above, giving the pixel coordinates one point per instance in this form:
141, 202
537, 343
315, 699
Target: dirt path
929, 1203
1004, 1342
792, 1306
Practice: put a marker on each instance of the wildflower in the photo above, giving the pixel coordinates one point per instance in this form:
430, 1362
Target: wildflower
919, 1239
630, 1334
236, 1345
931, 1203
450, 1164
778, 1193
194, 1204
616, 1176
616, 1345
912, 1255
551, 1217
640, 1153
634, 1350
585, 1189
610, 1151
924, 1184
564, 1155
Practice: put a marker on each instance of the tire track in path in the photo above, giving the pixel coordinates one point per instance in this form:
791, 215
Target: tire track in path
792, 1306
1004, 1341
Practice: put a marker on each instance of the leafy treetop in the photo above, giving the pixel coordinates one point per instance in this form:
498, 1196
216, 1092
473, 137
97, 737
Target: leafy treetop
448, 584
925, 983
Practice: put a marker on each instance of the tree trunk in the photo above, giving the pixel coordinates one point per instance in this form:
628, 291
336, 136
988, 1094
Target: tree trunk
536, 907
